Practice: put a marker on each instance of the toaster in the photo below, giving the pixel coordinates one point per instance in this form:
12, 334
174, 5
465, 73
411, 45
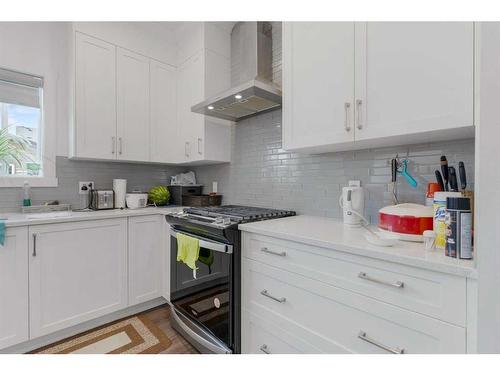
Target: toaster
102, 199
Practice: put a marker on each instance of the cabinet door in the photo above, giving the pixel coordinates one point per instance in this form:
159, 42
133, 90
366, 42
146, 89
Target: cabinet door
190, 91
77, 271
95, 101
133, 106
318, 85
145, 256
14, 287
413, 78
163, 137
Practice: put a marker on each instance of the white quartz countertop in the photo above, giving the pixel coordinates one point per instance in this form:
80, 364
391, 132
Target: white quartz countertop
19, 219
332, 234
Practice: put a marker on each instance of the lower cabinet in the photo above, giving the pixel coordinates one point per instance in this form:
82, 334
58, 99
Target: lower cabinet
14, 287
292, 309
145, 258
77, 272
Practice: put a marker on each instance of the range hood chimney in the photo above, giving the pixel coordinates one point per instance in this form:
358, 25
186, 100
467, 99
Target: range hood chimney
252, 91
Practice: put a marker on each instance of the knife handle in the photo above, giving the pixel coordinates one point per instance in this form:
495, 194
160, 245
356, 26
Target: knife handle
439, 180
463, 178
453, 179
444, 172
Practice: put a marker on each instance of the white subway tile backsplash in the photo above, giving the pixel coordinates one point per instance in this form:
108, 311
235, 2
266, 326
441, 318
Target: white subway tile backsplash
263, 174
69, 172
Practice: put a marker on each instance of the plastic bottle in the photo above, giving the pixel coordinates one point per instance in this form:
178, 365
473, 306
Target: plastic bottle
440, 216
27, 194
458, 228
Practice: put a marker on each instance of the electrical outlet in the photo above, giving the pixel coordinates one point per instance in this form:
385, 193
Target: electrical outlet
85, 186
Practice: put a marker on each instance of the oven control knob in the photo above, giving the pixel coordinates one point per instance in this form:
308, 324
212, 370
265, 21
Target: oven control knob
226, 221
219, 220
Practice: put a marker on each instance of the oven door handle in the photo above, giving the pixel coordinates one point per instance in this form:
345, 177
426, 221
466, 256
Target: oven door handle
207, 244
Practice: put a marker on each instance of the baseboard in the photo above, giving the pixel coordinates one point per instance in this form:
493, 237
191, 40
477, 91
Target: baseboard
39, 342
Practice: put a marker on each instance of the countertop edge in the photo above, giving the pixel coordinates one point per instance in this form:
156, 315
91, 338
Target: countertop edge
92, 215
394, 258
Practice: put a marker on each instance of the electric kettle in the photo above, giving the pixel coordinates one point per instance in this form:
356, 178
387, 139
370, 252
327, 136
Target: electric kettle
352, 202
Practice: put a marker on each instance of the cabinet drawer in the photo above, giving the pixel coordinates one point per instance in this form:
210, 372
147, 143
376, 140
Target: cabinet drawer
259, 340
282, 336
342, 316
435, 294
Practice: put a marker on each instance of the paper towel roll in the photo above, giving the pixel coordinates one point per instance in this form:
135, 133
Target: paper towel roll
120, 189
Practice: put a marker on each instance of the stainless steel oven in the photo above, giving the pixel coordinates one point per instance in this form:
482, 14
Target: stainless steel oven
206, 307
202, 304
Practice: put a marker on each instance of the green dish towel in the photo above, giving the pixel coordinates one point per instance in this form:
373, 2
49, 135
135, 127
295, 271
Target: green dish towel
2, 232
188, 250
206, 257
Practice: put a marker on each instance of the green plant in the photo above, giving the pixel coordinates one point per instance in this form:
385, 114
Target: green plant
12, 147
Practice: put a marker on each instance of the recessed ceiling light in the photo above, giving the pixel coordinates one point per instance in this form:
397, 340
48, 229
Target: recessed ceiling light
210, 107
238, 96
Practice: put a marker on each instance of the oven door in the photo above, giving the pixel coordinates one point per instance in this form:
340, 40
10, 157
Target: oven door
202, 303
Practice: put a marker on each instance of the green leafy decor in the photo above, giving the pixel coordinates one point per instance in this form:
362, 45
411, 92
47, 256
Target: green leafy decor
12, 147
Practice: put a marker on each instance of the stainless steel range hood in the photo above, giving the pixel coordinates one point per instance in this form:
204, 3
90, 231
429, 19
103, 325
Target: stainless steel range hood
252, 91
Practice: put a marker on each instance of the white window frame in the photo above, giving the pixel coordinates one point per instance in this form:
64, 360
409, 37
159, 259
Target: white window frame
48, 137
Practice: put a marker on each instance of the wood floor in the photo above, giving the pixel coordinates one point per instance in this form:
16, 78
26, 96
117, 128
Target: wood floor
161, 317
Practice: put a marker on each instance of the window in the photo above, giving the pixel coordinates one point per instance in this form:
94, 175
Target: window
21, 124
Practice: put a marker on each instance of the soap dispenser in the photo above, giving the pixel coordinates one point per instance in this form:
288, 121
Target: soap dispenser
27, 194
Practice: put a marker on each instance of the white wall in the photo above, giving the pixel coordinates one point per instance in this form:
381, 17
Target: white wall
487, 200
41, 48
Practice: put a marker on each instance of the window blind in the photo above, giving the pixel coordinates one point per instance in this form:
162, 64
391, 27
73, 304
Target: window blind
20, 88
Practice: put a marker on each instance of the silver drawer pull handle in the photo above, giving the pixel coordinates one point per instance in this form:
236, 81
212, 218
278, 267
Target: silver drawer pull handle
359, 102
363, 336
264, 349
34, 244
397, 284
266, 294
266, 250
347, 108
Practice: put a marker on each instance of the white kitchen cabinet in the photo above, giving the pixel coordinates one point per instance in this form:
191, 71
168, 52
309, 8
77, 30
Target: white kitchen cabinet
95, 98
203, 139
412, 82
163, 114
14, 287
297, 297
145, 257
190, 76
132, 96
77, 272
318, 84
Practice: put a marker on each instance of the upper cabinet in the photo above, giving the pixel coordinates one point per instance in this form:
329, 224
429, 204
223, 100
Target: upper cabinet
412, 82
163, 112
132, 107
318, 84
95, 98
132, 72
204, 73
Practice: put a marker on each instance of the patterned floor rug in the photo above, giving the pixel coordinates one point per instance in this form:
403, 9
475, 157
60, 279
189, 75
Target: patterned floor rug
133, 335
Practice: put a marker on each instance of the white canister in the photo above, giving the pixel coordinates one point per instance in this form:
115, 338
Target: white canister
120, 189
